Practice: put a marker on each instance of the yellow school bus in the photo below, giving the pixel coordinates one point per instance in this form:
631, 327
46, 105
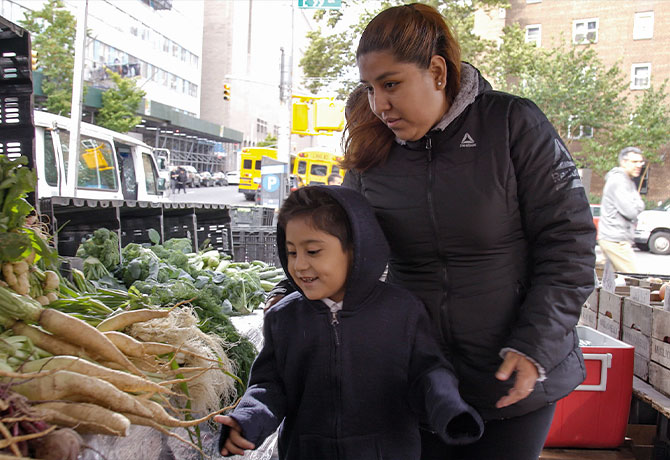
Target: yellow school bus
313, 166
250, 169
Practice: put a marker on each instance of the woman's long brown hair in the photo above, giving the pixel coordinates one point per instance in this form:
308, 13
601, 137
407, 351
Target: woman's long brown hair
411, 33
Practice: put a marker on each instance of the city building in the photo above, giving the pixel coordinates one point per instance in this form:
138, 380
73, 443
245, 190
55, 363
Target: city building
159, 42
632, 34
246, 45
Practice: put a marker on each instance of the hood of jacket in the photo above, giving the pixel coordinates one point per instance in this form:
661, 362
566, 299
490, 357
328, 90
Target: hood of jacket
616, 171
370, 250
472, 85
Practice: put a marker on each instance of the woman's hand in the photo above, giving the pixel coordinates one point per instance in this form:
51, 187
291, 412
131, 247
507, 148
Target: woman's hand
235, 444
271, 301
526, 376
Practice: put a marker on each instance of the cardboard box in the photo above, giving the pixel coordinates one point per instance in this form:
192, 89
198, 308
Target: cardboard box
595, 414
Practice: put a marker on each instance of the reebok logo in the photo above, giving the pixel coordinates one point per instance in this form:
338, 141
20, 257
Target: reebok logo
468, 141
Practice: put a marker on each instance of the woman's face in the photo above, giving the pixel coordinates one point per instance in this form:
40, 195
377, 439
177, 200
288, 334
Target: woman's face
408, 99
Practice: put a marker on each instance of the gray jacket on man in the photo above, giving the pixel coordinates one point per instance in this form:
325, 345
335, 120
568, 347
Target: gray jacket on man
621, 204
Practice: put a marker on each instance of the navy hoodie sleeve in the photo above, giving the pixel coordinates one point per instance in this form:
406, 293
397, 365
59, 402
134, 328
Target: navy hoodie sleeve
263, 406
434, 389
559, 227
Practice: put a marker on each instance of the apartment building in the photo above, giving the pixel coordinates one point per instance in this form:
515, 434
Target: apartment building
245, 43
159, 42
633, 34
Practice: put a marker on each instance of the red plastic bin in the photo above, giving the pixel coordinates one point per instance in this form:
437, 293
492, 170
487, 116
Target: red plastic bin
595, 414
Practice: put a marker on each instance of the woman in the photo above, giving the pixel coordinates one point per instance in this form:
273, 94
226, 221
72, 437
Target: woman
487, 221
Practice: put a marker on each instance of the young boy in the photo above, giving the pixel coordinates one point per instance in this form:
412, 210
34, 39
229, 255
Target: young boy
350, 364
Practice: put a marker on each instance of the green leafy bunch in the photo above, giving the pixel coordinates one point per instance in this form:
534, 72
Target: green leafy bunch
104, 246
17, 239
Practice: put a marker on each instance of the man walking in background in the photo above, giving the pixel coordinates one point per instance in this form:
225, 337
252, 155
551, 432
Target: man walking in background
621, 204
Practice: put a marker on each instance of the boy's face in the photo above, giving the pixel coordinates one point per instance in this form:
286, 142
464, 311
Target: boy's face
316, 260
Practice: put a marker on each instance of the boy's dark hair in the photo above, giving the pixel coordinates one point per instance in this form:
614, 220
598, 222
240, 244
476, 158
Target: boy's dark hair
324, 212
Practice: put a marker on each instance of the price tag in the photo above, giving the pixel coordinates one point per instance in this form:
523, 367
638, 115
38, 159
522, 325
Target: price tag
609, 278
641, 295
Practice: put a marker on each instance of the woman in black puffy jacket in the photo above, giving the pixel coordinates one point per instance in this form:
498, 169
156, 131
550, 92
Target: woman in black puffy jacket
487, 221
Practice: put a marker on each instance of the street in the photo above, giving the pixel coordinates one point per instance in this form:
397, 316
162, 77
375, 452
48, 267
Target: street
645, 261
220, 195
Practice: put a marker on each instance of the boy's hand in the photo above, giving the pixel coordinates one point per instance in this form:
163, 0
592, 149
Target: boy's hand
235, 444
524, 383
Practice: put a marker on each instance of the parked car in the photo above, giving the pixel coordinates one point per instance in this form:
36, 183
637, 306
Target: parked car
206, 179
192, 177
653, 229
233, 177
219, 178
595, 211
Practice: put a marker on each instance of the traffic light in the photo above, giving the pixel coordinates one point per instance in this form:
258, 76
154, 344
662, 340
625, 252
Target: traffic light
300, 118
226, 91
328, 115
34, 61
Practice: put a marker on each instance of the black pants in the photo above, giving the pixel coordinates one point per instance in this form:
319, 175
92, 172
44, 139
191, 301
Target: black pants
518, 438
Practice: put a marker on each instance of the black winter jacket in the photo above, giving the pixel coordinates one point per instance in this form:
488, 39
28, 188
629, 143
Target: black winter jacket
488, 223
353, 385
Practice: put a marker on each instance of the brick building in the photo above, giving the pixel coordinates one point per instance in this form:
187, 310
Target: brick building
634, 34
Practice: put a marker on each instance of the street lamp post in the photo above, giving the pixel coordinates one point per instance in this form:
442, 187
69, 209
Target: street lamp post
77, 86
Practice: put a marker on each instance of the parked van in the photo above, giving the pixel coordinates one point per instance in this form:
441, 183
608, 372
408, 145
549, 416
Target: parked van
110, 165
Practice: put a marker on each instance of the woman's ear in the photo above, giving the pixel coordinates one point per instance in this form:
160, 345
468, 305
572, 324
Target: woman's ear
438, 70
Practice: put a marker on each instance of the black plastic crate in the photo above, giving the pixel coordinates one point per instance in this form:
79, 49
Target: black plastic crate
17, 130
255, 243
179, 223
213, 224
253, 216
79, 222
136, 222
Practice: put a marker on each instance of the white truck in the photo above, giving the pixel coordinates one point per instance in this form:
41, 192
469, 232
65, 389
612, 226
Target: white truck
653, 229
110, 165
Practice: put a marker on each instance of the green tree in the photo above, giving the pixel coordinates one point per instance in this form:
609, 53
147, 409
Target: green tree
269, 141
53, 30
330, 54
579, 95
119, 105
646, 127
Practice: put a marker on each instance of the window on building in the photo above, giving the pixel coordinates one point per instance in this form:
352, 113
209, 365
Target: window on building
643, 27
261, 128
585, 31
579, 132
640, 76
534, 34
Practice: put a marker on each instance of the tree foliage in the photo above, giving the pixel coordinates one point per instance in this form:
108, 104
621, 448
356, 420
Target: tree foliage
579, 94
53, 31
269, 141
119, 105
329, 62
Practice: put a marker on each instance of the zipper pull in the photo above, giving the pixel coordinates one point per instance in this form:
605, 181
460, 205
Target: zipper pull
334, 322
429, 147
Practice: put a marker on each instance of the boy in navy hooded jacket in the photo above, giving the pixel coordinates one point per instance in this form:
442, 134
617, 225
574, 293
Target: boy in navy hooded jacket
350, 364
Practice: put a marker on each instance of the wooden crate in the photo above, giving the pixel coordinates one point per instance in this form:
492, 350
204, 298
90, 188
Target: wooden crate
659, 365
588, 318
636, 330
609, 313
592, 301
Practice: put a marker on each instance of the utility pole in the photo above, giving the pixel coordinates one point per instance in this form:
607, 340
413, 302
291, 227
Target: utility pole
75, 111
285, 90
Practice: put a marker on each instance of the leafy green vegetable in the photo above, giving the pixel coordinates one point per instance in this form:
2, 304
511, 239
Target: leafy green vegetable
104, 246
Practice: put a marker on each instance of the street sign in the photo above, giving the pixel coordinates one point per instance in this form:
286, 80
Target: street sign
320, 4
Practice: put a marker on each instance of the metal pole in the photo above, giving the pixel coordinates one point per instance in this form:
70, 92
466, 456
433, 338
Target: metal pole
284, 137
75, 111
